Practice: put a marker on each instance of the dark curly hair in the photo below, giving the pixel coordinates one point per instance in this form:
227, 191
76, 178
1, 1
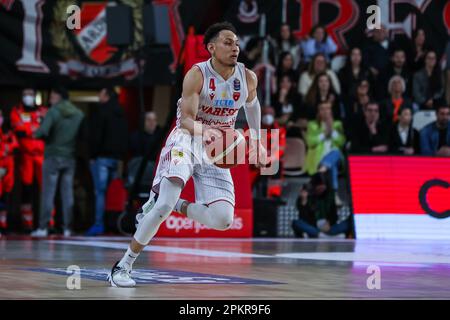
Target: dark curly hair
213, 31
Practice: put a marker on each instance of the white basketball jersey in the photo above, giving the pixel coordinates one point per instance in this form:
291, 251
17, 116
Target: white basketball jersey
220, 100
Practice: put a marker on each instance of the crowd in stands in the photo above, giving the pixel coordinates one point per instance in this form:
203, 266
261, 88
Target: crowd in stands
385, 99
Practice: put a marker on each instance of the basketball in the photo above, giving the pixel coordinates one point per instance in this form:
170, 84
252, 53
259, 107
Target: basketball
228, 150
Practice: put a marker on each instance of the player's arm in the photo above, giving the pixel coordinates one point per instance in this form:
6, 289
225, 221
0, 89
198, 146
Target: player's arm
192, 86
252, 107
253, 114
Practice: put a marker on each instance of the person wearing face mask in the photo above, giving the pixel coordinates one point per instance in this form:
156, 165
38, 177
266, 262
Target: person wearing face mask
8, 144
26, 118
272, 186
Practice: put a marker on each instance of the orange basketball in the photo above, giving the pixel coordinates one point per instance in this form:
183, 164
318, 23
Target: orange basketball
227, 151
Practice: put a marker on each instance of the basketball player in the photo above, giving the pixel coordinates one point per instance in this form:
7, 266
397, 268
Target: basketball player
213, 92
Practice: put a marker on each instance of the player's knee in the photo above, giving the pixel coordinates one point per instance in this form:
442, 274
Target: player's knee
224, 218
163, 210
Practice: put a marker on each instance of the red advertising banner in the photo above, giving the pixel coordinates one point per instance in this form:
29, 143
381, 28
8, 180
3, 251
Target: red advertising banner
395, 196
179, 226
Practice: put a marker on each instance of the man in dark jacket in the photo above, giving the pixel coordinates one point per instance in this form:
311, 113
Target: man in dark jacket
435, 137
59, 130
371, 134
109, 136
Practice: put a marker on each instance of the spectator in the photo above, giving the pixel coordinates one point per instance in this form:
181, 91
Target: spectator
109, 146
376, 52
391, 107
143, 142
286, 68
404, 138
435, 137
324, 139
354, 109
318, 42
8, 144
447, 72
397, 67
286, 42
286, 102
270, 186
418, 49
321, 91
427, 83
26, 118
317, 210
316, 66
59, 131
352, 73
371, 134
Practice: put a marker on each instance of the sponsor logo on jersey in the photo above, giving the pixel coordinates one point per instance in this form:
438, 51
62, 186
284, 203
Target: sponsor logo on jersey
223, 103
236, 96
224, 112
236, 84
177, 153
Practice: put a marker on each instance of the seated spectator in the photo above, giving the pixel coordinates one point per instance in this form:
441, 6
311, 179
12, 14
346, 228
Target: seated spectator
317, 210
316, 66
318, 42
418, 48
404, 138
352, 73
143, 142
144, 145
435, 137
286, 101
286, 42
354, 108
427, 83
397, 67
391, 107
371, 134
324, 139
321, 90
376, 51
286, 68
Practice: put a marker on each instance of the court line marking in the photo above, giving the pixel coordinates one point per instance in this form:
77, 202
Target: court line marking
164, 249
358, 256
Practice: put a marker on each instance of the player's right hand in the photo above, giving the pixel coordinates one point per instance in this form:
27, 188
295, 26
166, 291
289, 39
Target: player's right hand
210, 135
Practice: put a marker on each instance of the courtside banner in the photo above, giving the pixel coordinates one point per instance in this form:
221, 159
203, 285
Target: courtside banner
396, 197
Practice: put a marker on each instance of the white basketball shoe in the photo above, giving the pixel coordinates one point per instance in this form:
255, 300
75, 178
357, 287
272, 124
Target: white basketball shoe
120, 277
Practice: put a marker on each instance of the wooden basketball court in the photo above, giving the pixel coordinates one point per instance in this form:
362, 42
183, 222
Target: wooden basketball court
226, 269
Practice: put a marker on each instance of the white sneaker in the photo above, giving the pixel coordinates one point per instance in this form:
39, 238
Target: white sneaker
67, 233
145, 209
39, 233
120, 277
327, 236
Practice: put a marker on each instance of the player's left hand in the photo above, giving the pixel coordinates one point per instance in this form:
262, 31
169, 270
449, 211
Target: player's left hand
258, 154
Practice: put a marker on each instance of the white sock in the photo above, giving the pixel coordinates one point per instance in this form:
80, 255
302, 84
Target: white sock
128, 259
